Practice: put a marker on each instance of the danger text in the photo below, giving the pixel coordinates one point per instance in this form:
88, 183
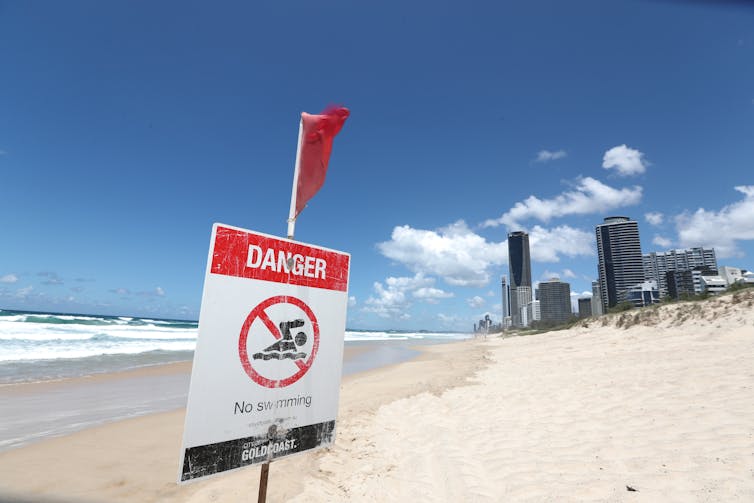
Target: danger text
286, 262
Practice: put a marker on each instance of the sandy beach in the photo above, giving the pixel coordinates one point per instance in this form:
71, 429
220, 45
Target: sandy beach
650, 405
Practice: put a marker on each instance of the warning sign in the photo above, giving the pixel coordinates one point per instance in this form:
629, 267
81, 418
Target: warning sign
266, 373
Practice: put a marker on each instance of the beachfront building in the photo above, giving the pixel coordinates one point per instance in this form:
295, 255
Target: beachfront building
713, 284
585, 307
506, 297
733, 275
521, 296
531, 312
644, 294
657, 265
555, 301
519, 266
620, 260
679, 284
596, 299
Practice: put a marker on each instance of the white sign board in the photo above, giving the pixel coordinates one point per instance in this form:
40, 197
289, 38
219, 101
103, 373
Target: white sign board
266, 376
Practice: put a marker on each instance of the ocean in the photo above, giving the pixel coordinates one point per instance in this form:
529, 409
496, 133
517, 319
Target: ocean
48, 346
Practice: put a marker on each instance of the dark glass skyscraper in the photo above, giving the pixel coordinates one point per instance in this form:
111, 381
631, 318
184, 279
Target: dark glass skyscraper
519, 261
620, 259
555, 301
519, 265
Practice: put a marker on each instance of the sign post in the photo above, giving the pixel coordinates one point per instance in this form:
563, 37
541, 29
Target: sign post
267, 366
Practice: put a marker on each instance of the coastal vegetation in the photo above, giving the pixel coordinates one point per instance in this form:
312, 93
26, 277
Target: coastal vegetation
669, 311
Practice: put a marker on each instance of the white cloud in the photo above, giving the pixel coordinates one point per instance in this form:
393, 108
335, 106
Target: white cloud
627, 161
431, 295
720, 229
546, 155
24, 292
450, 320
654, 217
392, 299
589, 196
475, 301
454, 253
567, 273
662, 241
546, 245
351, 301
8, 278
159, 292
548, 275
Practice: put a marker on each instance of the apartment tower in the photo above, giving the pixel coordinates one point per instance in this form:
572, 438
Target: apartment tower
620, 260
519, 265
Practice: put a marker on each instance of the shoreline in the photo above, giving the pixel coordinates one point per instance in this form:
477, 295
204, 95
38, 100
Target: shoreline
66, 405
80, 465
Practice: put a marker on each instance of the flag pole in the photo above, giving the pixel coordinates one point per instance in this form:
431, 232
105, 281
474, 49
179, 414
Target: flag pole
263, 475
292, 213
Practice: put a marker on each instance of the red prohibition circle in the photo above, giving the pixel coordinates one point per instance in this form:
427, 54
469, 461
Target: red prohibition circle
258, 312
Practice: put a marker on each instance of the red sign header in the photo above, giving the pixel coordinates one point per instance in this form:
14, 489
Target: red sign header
255, 256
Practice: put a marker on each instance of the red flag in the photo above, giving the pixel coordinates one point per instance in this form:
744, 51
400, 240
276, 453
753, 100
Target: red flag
318, 132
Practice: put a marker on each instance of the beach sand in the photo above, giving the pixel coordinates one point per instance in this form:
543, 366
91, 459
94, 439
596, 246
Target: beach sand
652, 405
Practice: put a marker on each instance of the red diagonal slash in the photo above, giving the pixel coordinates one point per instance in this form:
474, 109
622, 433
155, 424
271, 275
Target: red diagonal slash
276, 334
270, 325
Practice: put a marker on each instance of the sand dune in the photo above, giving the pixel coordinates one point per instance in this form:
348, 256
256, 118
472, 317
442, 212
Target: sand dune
649, 405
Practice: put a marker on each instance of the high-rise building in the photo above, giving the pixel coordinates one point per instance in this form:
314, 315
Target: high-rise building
519, 265
555, 301
596, 299
521, 298
620, 260
585, 307
658, 264
506, 297
532, 312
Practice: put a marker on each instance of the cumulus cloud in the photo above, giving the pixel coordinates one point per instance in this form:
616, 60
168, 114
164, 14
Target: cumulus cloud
351, 301
475, 301
392, 299
588, 196
567, 273
546, 155
455, 253
662, 241
431, 295
159, 292
654, 218
546, 245
625, 160
8, 278
719, 229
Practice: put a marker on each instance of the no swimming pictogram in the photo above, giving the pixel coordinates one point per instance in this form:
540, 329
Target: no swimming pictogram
278, 341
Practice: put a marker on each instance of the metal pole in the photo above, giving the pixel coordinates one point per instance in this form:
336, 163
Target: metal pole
263, 483
292, 213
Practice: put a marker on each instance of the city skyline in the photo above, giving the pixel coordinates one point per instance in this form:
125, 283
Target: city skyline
119, 151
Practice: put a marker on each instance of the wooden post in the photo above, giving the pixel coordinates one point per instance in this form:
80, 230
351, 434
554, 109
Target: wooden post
262, 498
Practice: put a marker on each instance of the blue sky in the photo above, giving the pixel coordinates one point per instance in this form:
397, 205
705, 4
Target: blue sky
128, 128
